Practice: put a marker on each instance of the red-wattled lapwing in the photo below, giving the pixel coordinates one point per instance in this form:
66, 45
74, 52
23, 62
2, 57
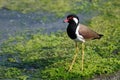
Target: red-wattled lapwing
79, 33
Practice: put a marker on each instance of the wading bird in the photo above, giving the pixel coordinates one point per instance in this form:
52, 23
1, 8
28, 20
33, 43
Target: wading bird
79, 33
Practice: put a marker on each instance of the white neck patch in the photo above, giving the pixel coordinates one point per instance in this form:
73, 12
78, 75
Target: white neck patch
76, 20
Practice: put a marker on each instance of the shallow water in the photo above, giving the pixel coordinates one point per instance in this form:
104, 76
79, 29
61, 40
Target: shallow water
12, 22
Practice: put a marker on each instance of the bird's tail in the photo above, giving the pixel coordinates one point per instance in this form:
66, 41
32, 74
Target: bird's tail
100, 35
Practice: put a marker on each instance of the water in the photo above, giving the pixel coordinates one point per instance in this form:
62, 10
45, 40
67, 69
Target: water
12, 22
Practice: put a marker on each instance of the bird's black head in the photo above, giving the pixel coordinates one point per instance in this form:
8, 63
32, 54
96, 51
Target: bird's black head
72, 18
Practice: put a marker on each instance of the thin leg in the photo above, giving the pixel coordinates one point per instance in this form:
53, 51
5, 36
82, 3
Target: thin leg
77, 49
83, 46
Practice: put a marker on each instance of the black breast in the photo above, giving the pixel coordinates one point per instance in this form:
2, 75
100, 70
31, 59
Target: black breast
71, 29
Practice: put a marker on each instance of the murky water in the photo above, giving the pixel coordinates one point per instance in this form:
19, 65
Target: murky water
13, 21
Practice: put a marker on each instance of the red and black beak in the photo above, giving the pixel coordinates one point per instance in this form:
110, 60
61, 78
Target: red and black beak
66, 20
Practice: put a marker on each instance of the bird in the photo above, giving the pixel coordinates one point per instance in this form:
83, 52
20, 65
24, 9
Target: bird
79, 33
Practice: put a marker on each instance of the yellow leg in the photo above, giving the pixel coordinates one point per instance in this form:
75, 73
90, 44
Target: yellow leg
77, 49
83, 46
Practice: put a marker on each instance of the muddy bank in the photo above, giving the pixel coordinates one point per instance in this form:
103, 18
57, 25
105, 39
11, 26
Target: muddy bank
114, 76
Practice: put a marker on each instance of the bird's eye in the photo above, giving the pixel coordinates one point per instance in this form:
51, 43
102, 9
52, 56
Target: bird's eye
70, 18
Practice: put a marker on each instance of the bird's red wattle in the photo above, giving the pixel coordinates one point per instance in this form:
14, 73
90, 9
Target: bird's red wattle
66, 20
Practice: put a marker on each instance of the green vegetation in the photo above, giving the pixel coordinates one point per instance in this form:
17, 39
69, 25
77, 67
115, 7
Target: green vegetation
33, 56
43, 56
58, 7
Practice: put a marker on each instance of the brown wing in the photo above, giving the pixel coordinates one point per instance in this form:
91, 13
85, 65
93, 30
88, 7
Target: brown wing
87, 33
